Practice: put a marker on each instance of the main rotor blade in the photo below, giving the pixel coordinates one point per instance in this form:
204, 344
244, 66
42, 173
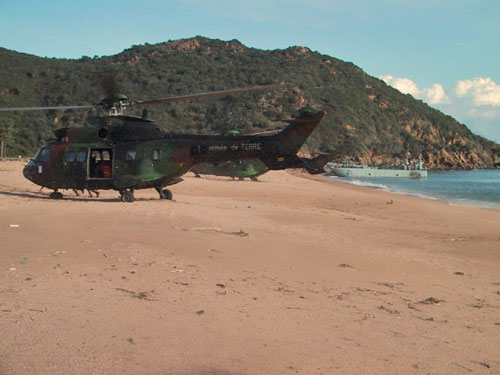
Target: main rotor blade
206, 94
47, 108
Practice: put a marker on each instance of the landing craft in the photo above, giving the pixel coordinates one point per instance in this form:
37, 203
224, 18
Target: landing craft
126, 153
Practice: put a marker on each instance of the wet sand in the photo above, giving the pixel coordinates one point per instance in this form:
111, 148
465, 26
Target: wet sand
289, 275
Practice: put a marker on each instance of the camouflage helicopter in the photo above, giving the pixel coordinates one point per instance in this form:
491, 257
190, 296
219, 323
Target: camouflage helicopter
235, 169
127, 153
253, 168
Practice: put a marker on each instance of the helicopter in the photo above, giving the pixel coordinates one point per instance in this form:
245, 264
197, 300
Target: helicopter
128, 153
253, 168
235, 169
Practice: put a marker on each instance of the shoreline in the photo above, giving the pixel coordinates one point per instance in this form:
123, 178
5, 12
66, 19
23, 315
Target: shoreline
378, 184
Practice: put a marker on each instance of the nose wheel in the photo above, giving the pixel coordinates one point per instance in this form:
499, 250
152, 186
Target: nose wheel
56, 195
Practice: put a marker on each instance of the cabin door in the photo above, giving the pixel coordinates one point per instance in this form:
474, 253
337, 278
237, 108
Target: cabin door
100, 164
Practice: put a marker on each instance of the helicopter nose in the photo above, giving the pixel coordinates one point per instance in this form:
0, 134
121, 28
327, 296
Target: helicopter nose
30, 170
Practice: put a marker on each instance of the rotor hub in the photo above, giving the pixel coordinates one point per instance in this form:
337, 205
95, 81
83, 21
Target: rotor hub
114, 104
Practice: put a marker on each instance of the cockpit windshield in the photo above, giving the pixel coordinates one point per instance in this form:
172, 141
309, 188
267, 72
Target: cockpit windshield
42, 154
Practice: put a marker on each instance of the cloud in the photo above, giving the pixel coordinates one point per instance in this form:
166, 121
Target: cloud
405, 85
482, 91
432, 95
475, 102
435, 94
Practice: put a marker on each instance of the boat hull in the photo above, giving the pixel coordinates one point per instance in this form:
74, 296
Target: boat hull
373, 172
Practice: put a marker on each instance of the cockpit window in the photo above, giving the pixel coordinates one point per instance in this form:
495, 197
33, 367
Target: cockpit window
70, 156
82, 156
42, 155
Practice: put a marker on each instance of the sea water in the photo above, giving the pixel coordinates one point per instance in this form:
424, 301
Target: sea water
480, 188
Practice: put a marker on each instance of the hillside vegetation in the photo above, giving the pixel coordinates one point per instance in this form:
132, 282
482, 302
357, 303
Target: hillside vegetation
367, 120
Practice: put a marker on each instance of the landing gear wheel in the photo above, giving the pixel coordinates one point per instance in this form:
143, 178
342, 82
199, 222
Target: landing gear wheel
55, 195
167, 194
164, 194
127, 196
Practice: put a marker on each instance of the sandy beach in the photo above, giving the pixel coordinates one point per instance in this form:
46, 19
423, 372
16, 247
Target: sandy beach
290, 275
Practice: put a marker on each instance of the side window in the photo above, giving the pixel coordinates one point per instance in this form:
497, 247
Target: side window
96, 155
156, 154
105, 155
130, 155
70, 156
81, 156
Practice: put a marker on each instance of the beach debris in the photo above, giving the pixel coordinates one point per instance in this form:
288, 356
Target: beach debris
139, 295
37, 310
221, 286
13, 225
179, 270
412, 306
431, 301
389, 202
12, 268
431, 319
131, 340
283, 289
390, 311
391, 284
478, 306
200, 312
25, 261
240, 233
345, 265
459, 273
58, 252
483, 363
216, 251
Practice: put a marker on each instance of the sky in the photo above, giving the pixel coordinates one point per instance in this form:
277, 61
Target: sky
444, 52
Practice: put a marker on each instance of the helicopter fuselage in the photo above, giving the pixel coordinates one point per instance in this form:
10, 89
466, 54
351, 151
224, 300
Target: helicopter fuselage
127, 153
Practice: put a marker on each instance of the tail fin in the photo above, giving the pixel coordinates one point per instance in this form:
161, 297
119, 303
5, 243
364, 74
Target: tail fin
288, 142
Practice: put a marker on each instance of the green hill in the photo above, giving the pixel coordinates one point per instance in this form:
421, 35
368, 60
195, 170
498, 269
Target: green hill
367, 120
